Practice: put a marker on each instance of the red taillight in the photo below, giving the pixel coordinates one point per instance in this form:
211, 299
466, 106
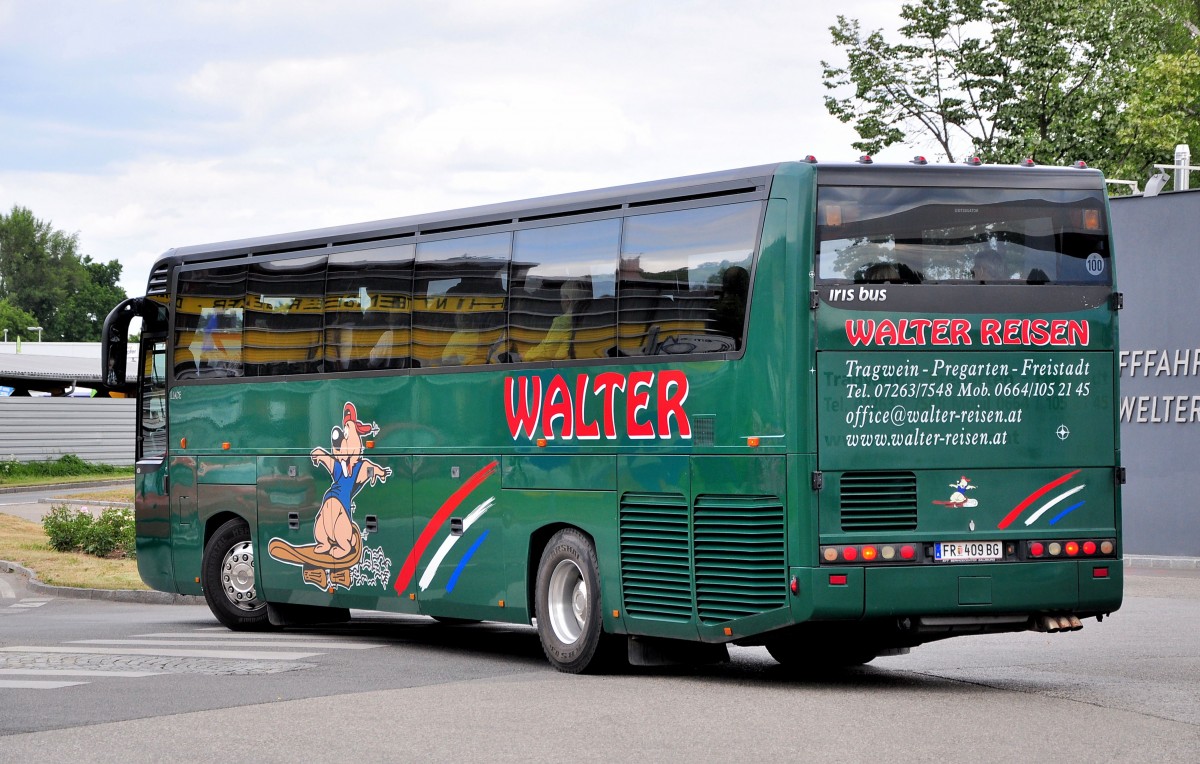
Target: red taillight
1089, 547
849, 553
1072, 548
1036, 549
907, 552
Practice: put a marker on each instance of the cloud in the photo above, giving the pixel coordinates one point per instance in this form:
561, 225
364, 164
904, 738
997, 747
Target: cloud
147, 125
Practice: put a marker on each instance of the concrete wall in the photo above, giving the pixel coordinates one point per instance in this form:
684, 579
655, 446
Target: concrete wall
94, 429
1157, 242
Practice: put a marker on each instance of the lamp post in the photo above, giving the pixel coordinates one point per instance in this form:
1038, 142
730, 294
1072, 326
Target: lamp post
37, 329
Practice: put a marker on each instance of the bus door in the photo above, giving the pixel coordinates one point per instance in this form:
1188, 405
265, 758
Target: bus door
152, 511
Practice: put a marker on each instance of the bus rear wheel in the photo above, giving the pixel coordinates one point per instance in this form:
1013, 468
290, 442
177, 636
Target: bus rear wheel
227, 574
567, 605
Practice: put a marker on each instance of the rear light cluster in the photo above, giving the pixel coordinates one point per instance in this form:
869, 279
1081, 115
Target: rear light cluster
1058, 548
883, 554
860, 554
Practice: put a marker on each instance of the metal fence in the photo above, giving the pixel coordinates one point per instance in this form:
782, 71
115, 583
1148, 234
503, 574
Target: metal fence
97, 430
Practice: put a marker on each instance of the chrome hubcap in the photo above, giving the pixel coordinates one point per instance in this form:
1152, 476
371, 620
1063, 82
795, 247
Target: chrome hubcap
237, 576
567, 602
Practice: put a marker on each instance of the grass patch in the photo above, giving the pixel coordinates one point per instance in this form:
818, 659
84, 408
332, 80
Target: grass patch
25, 543
66, 469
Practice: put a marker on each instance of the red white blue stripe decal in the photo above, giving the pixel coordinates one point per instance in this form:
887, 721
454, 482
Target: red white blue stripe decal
436, 522
1039, 493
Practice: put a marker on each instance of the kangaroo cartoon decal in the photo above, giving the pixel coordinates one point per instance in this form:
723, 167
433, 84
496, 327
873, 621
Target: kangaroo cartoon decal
337, 549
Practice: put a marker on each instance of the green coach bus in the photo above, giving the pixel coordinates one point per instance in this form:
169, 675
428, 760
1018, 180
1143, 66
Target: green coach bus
838, 410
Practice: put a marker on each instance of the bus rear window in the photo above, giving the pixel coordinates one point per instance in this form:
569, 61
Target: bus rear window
923, 235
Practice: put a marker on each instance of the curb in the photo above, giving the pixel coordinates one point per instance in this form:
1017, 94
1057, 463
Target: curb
65, 486
86, 503
110, 595
1162, 562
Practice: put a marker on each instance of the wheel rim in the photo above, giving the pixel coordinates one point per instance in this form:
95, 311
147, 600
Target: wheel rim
237, 576
567, 602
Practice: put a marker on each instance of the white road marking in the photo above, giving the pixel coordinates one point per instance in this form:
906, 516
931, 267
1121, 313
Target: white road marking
219, 643
33, 684
239, 635
28, 603
248, 655
77, 673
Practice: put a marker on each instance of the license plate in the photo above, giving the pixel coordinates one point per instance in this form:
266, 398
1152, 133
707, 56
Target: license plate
967, 551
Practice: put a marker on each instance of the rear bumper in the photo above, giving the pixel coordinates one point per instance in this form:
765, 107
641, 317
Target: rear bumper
1083, 587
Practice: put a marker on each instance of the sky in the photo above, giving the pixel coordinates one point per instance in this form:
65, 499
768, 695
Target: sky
144, 125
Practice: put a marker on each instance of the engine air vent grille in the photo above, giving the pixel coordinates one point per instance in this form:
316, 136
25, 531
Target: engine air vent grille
879, 501
741, 556
656, 556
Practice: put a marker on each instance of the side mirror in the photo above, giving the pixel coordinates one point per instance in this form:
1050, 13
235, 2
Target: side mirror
114, 348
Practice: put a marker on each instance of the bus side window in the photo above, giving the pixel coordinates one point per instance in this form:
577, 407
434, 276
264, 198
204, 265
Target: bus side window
563, 299
685, 278
285, 314
209, 311
460, 293
368, 309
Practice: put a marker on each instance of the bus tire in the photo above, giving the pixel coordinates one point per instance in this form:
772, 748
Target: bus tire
567, 604
227, 575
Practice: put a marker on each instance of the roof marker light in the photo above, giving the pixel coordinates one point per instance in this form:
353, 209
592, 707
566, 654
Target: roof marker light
974, 162
1028, 162
918, 159
1082, 165
865, 159
810, 159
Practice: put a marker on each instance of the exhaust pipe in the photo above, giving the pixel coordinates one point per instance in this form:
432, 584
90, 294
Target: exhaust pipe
1052, 624
1045, 623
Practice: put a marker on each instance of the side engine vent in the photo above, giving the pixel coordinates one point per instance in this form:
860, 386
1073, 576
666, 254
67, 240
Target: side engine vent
656, 577
741, 556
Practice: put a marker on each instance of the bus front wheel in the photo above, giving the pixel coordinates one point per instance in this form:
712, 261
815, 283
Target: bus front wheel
567, 604
227, 574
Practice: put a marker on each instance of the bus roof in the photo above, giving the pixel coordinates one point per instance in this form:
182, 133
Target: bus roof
656, 192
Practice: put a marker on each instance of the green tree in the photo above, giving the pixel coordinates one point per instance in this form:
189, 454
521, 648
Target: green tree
1165, 108
1051, 80
15, 322
43, 274
82, 312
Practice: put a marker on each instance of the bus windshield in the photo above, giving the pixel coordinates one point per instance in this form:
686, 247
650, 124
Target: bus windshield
924, 235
